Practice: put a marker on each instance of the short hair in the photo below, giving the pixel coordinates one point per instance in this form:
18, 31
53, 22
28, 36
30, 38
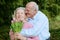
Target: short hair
15, 11
35, 5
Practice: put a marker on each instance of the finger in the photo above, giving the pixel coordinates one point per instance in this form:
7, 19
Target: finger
12, 37
11, 33
16, 33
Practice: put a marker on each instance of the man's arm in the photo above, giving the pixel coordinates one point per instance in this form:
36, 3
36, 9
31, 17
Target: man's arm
38, 26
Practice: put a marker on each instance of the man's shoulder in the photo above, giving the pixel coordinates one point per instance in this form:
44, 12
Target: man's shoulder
42, 15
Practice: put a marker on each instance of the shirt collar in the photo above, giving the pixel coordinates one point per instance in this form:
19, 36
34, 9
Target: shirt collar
34, 16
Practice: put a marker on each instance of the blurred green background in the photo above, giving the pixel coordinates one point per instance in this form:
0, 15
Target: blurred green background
51, 8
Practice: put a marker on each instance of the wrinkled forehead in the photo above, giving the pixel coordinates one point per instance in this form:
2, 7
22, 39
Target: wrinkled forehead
29, 6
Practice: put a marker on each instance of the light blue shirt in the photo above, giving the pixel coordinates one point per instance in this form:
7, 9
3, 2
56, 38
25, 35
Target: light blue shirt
40, 27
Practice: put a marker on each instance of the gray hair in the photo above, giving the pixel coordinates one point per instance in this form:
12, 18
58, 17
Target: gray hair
15, 11
35, 5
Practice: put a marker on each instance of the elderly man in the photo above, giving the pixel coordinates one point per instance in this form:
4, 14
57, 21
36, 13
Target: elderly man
40, 23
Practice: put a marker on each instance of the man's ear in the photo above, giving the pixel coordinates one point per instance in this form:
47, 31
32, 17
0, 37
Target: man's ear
35, 11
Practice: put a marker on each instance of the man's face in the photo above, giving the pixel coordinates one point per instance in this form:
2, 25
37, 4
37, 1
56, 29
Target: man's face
29, 11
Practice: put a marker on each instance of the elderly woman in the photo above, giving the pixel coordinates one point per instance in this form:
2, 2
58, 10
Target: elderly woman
20, 17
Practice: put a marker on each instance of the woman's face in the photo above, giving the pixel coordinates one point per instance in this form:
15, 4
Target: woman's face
20, 15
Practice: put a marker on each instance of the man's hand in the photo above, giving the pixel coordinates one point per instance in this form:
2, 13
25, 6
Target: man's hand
19, 36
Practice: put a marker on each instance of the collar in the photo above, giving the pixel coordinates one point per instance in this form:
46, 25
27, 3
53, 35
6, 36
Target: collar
34, 16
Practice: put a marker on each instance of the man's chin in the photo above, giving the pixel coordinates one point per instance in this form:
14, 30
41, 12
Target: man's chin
28, 16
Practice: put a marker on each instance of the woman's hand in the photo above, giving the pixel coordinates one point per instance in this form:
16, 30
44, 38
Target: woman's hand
19, 36
11, 34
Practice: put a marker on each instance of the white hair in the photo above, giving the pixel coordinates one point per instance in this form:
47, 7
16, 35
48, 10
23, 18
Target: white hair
15, 11
35, 5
